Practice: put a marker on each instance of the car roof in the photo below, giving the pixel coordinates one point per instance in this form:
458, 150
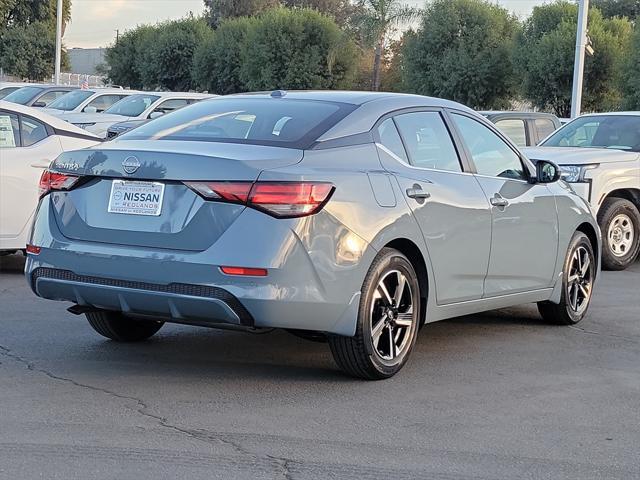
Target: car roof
178, 94
608, 114
515, 113
38, 114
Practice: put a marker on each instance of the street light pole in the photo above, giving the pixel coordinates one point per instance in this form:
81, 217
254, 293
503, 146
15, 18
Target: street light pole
578, 68
58, 42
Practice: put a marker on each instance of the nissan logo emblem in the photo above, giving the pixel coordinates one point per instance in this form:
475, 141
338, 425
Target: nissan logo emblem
130, 165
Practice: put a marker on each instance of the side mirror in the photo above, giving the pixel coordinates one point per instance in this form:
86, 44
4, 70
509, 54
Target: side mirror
39, 104
90, 109
547, 172
156, 114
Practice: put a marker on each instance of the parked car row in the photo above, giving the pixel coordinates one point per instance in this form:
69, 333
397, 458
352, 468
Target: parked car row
352, 217
98, 109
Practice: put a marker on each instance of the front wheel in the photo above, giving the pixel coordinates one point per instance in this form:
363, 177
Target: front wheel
116, 326
577, 284
619, 221
387, 323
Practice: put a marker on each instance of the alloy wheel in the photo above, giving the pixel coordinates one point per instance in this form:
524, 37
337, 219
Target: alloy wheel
580, 280
393, 317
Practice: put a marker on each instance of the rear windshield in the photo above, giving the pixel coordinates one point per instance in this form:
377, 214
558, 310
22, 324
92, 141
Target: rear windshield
23, 95
132, 106
70, 100
290, 123
619, 132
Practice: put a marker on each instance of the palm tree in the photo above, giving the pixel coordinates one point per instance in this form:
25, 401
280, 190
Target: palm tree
380, 17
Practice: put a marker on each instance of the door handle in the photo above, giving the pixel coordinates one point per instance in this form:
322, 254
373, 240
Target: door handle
499, 201
417, 192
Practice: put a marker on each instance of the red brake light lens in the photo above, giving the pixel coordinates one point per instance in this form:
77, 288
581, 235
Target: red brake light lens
50, 181
280, 199
33, 250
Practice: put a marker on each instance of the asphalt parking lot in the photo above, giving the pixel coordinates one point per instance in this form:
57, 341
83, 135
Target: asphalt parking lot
494, 396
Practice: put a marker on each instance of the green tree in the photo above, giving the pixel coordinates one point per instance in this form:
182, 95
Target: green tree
297, 49
378, 19
27, 37
168, 62
631, 79
124, 59
218, 60
216, 11
545, 56
462, 51
618, 8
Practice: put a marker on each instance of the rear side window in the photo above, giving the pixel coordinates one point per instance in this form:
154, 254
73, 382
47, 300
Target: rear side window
32, 131
390, 139
9, 130
545, 127
515, 129
428, 141
260, 121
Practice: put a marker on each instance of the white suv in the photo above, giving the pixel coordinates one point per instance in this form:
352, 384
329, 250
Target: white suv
599, 156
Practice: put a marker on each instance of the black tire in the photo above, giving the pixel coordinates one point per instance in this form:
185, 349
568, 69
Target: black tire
120, 328
359, 356
564, 313
309, 335
611, 211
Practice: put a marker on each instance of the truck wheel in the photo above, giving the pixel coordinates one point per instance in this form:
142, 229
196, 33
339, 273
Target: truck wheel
387, 323
577, 284
619, 222
116, 326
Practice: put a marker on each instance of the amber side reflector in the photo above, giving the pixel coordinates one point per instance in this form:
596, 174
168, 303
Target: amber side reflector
244, 272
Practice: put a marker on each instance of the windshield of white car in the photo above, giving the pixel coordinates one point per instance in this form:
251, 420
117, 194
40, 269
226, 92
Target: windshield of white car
23, 95
291, 123
132, 106
71, 100
618, 132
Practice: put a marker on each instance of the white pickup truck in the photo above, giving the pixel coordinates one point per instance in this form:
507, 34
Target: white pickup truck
599, 156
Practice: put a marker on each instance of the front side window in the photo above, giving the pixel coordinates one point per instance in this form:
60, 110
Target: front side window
428, 142
515, 129
491, 155
32, 131
9, 130
103, 102
71, 100
171, 105
132, 106
259, 121
50, 97
390, 139
620, 132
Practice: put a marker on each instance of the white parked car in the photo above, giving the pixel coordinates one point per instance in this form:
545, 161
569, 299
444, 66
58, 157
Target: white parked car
141, 106
95, 100
599, 155
29, 141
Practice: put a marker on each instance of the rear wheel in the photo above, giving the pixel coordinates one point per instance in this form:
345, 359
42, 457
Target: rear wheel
116, 326
387, 322
619, 221
577, 284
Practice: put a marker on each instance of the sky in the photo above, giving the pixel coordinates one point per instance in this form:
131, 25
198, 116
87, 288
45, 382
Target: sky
94, 22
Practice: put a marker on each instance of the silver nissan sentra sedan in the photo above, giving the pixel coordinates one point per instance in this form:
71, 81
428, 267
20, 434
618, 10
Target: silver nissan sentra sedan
351, 216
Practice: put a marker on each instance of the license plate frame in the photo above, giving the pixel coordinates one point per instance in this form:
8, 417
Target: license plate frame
136, 197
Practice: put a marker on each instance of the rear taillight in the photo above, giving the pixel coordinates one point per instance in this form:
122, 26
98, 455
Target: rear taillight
280, 199
50, 181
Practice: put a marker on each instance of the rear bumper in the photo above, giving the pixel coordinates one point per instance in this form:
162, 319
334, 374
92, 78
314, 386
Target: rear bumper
176, 301
308, 287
